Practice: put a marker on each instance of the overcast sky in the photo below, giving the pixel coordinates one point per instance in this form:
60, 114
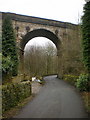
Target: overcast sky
61, 10
38, 41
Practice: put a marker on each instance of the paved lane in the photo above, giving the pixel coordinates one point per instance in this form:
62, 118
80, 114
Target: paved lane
56, 99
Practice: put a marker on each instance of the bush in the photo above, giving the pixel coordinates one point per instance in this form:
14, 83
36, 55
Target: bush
6, 65
12, 94
83, 82
6, 69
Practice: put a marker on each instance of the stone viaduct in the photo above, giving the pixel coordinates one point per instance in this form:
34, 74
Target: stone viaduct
65, 36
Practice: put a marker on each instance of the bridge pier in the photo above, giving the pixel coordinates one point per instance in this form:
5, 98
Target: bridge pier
60, 64
21, 62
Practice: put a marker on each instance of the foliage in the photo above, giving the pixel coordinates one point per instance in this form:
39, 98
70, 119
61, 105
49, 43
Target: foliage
71, 79
6, 69
86, 36
6, 65
9, 44
83, 82
12, 94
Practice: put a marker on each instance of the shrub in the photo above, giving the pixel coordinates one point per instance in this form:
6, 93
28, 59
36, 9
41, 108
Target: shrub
6, 65
12, 94
6, 68
83, 82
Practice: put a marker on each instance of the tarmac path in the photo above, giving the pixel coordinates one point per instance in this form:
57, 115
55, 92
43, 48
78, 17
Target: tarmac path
56, 99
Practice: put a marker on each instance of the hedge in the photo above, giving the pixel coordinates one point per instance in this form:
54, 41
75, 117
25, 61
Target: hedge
71, 79
12, 94
83, 82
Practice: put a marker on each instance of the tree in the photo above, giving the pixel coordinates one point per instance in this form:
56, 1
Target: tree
41, 60
51, 58
9, 44
86, 36
35, 61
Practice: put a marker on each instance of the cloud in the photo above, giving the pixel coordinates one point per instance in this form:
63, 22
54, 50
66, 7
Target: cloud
61, 10
87, 0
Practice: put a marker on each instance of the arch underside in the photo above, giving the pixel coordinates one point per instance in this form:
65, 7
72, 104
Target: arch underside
40, 33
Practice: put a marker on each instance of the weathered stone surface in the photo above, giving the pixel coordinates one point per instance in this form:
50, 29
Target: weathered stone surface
66, 37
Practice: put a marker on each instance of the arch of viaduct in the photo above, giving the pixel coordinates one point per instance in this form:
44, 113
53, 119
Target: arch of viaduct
65, 36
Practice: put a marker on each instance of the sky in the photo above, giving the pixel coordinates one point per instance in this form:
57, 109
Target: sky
38, 41
61, 10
